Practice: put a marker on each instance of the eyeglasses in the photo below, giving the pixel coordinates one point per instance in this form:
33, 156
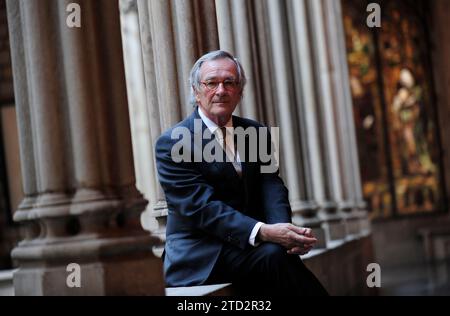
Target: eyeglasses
214, 85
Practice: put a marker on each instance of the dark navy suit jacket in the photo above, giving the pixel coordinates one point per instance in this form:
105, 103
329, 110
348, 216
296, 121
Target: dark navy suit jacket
209, 204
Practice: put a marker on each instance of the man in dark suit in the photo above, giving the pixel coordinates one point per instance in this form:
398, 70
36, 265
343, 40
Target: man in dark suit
227, 220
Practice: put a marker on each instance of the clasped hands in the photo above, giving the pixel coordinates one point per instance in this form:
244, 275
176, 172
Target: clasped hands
297, 240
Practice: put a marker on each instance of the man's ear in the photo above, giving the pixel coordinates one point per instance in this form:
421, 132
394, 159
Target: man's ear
197, 98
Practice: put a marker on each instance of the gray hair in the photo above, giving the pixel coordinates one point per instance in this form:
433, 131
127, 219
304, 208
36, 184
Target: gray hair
194, 77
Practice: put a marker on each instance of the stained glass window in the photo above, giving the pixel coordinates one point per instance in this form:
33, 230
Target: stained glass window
390, 76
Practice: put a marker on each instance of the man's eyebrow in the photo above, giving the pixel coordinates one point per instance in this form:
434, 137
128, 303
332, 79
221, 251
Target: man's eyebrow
215, 78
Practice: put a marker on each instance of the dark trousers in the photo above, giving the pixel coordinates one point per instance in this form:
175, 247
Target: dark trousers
265, 270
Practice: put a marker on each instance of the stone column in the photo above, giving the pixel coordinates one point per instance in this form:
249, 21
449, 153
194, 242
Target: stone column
263, 72
22, 95
237, 37
225, 26
333, 10
244, 43
173, 35
156, 196
162, 32
206, 25
186, 47
226, 34
88, 207
140, 129
335, 89
293, 149
160, 62
195, 33
316, 109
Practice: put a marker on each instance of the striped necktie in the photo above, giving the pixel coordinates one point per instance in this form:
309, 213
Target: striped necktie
237, 166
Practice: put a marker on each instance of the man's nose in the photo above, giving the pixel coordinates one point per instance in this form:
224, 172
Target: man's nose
221, 89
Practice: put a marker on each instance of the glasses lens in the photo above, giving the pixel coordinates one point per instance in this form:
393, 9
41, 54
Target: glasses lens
227, 84
211, 85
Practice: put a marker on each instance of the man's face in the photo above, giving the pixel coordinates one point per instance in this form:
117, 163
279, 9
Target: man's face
218, 103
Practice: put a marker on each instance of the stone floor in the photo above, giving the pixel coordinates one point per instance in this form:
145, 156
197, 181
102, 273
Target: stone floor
431, 279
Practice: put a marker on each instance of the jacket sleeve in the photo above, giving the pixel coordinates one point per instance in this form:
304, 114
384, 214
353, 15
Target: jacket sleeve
189, 195
276, 204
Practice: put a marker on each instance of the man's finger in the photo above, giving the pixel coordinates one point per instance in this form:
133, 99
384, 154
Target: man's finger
308, 232
301, 244
298, 240
301, 230
300, 248
299, 251
298, 230
306, 240
295, 251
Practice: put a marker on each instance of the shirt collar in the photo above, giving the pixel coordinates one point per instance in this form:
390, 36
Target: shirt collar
210, 124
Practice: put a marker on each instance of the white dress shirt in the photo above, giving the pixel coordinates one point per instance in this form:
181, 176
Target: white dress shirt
230, 151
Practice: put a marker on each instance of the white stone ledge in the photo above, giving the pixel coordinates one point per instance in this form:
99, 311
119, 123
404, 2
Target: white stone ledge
6, 283
335, 244
202, 290
314, 253
6, 275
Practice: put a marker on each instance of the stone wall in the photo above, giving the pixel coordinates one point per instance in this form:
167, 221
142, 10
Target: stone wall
398, 242
343, 270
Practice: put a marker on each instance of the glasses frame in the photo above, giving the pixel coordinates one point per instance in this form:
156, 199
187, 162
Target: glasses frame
205, 84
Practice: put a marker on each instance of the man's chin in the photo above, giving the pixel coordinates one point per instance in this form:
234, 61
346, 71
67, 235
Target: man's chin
223, 109
222, 104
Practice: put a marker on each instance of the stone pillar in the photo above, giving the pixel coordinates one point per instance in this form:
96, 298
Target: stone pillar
162, 32
173, 35
160, 62
263, 71
294, 149
335, 89
156, 197
237, 36
316, 109
333, 10
22, 96
226, 34
225, 26
140, 129
244, 43
186, 48
87, 206
206, 26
